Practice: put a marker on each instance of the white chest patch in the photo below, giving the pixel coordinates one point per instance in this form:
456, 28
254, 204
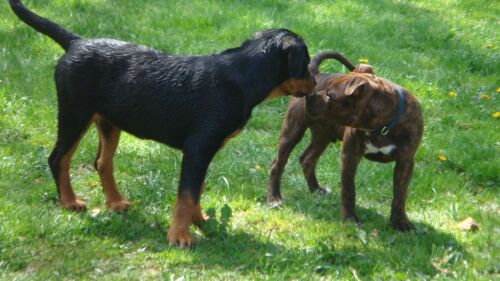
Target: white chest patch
370, 148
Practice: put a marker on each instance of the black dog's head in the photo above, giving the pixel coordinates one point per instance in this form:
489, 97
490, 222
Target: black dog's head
292, 50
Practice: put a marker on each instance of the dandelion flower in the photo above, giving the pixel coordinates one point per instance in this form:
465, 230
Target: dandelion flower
496, 114
258, 168
363, 60
452, 94
441, 158
484, 97
498, 90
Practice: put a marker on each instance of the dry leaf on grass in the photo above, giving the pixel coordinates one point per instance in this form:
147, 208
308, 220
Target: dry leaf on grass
354, 273
95, 212
468, 225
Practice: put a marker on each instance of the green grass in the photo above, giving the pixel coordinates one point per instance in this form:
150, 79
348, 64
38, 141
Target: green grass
430, 47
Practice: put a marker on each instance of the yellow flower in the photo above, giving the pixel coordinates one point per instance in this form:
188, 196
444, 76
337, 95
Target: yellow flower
363, 60
484, 97
452, 94
258, 168
498, 90
496, 114
441, 158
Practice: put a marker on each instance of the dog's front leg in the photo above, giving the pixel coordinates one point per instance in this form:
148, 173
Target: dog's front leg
402, 175
351, 155
187, 209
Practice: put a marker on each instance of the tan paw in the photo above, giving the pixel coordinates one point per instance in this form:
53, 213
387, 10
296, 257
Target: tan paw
180, 238
76, 205
118, 206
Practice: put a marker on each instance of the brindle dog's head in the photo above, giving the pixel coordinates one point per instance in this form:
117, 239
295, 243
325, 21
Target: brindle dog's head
358, 99
297, 81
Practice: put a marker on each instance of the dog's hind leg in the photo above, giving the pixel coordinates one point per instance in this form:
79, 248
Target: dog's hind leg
72, 125
309, 158
109, 136
291, 134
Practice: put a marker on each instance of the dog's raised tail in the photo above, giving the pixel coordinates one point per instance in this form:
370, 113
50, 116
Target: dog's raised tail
60, 35
319, 58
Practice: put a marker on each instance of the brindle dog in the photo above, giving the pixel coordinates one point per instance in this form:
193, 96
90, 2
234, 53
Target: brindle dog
295, 124
374, 117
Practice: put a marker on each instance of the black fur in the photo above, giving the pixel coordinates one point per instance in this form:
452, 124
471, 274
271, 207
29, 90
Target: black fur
187, 102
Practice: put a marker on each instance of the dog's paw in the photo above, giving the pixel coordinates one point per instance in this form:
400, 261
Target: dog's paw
118, 206
403, 225
77, 205
323, 191
351, 218
275, 204
180, 238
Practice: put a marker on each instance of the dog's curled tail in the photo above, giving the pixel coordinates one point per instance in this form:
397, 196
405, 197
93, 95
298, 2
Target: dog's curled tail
319, 58
60, 35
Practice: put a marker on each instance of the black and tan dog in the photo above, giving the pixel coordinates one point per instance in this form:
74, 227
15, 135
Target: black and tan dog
192, 103
374, 117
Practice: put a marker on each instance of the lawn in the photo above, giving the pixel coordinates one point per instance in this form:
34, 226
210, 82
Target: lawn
445, 52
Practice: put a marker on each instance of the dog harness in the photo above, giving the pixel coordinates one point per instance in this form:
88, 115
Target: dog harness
401, 108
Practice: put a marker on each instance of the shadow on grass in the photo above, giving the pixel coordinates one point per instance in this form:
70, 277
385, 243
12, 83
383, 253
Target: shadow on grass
415, 253
337, 250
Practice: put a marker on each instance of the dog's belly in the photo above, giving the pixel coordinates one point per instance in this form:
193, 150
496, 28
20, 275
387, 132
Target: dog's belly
148, 126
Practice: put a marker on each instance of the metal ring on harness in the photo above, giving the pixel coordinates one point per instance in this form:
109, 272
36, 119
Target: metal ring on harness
384, 131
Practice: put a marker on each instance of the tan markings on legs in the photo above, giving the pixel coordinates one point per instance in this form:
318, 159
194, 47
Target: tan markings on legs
198, 216
184, 210
109, 136
68, 199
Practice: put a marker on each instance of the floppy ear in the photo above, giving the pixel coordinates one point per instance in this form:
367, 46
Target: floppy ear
355, 84
298, 59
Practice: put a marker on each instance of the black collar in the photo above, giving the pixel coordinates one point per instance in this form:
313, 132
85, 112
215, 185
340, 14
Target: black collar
387, 128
